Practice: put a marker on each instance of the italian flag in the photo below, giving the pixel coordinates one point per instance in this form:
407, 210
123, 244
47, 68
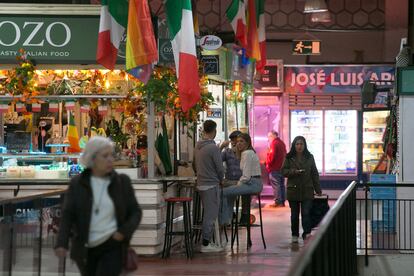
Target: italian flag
20, 107
103, 110
261, 31
53, 107
4, 107
236, 13
112, 25
73, 136
85, 108
70, 106
36, 107
181, 28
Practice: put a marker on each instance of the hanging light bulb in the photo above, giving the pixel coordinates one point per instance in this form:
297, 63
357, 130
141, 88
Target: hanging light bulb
315, 6
321, 17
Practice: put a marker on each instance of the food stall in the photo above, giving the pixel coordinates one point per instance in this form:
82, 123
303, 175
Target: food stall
52, 93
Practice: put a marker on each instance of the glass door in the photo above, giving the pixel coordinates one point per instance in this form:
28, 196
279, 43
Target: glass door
308, 123
373, 130
340, 141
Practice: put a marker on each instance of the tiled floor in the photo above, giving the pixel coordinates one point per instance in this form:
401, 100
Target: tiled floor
275, 260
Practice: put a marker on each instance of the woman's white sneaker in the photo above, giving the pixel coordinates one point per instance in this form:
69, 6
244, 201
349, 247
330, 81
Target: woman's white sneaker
295, 239
211, 247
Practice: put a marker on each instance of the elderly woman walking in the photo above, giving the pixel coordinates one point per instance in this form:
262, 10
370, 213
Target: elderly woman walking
100, 213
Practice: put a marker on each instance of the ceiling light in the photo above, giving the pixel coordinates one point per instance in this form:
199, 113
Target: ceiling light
315, 6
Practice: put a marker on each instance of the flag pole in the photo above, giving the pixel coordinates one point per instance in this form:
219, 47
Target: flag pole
151, 139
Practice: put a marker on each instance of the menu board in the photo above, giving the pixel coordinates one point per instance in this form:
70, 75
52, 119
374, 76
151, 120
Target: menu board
18, 141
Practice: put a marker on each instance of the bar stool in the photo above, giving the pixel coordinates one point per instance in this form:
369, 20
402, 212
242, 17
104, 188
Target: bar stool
235, 224
169, 223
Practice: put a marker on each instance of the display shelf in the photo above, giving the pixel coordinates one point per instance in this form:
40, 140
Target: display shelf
37, 155
67, 97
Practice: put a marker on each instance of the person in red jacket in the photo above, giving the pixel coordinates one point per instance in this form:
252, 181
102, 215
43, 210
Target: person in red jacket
274, 161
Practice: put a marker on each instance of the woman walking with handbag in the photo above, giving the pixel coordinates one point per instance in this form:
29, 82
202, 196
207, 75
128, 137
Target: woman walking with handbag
303, 179
100, 213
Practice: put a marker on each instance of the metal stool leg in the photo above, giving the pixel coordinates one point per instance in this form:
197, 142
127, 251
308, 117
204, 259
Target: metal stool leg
249, 241
171, 228
261, 221
167, 224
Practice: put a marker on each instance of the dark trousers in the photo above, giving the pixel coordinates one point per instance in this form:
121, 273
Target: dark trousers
103, 260
302, 207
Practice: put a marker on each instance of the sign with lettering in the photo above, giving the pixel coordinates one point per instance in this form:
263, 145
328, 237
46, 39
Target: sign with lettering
165, 52
211, 64
51, 39
269, 76
306, 47
210, 42
18, 141
335, 79
214, 113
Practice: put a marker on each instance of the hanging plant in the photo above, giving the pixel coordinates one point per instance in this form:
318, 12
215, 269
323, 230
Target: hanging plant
21, 80
162, 89
238, 91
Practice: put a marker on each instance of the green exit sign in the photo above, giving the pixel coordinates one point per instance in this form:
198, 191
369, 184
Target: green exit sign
306, 47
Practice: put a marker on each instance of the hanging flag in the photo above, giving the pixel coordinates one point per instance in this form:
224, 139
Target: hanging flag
141, 48
73, 136
103, 109
20, 107
53, 107
36, 107
180, 25
112, 25
236, 13
253, 49
163, 148
195, 18
4, 107
70, 106
85, 108
261, 30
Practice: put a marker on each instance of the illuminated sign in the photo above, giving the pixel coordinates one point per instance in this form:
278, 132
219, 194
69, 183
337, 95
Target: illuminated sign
306, 47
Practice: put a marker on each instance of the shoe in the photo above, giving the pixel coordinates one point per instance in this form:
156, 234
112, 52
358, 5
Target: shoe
210, 248
295, 239
306, 237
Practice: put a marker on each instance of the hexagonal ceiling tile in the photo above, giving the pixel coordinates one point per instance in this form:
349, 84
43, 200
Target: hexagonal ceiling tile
360, 18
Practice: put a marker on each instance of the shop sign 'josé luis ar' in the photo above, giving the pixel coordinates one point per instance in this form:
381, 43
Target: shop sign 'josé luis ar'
49, 39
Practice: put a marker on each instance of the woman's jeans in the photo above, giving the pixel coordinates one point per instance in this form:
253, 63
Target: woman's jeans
254, 186
304, 208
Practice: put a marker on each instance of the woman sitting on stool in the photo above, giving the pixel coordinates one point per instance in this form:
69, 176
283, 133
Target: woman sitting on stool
249, 183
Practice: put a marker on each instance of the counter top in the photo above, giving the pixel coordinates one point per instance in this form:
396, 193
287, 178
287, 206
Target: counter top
66, 181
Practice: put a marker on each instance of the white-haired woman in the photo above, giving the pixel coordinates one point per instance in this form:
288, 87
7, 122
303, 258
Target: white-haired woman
100, 213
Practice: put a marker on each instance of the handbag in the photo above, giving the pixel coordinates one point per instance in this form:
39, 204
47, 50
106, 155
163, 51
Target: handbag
131, 263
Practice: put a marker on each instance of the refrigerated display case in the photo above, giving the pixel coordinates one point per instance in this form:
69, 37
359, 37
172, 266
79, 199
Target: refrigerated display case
308, 123
340, 141
331, 136
374, 124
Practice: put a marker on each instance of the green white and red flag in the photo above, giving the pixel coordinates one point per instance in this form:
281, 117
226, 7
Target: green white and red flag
112, 25
4, 107
20, 107
261, 31
236, 13
70, 105
181, 28
36, 107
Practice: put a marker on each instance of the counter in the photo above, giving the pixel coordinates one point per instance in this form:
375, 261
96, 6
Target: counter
150, 193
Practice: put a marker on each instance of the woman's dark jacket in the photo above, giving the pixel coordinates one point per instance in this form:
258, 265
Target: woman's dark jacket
77, 209
301, 186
